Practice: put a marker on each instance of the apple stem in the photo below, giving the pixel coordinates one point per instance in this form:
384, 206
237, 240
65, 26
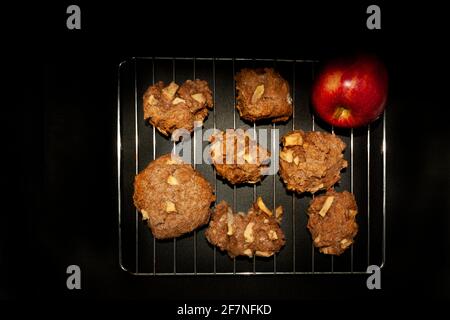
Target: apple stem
341, 113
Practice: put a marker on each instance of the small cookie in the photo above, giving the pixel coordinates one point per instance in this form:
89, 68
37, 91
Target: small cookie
245, 161
332, 221
173, 107
311, 161
263, 94
172, 196
256, 233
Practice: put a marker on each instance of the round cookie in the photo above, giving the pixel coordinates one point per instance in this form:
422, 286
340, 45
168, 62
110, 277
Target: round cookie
174, 107
332, 221
172, 196
263, 94
247, 161
311, 161
256, 233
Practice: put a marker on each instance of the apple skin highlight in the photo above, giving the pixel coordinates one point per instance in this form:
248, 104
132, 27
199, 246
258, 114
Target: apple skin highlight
352, 92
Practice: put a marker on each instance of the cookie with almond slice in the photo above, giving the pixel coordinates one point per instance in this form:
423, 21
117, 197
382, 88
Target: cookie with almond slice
263, 94
311, 161
332, 221
173, 197
255, 233
237, 157
170, 107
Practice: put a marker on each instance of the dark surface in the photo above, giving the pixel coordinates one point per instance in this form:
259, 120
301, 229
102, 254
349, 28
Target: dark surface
64, 210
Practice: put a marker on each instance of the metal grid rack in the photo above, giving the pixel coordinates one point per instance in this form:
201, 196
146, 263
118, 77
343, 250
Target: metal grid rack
139, 143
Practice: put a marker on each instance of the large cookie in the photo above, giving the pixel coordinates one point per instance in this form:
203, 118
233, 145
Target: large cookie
172, 196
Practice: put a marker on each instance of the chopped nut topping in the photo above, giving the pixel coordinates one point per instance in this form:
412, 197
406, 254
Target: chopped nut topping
248, 158
170, 206
169, 91
352, 212
144, 215
172, 181
257, 94
326, 206
263, 207
345, 243
178, 100
296, 161
279, 213
272, 235
248, 252
289, 99
287, 156
199, 97
248, 233
230, 220
264, 254
294, 139
152, 100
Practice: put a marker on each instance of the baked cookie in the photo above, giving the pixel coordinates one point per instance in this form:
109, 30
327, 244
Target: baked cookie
256, 233
174, 107
263, 94
172, 196
245, 161
311, 161
332, 221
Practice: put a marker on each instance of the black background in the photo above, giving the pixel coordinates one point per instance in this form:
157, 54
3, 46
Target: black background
61, 93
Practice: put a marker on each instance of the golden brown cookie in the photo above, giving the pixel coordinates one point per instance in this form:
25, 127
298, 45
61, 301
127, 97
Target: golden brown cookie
311, 161
174, 107
256, 233
172, 196
263, 94
237, 157
332, 221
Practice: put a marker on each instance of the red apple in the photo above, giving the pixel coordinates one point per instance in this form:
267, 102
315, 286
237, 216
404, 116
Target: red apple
351, 92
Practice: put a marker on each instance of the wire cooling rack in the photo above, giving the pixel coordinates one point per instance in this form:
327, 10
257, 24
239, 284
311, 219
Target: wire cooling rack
139, 143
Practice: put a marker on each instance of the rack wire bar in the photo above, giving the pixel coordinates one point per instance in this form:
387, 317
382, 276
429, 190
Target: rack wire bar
364, 152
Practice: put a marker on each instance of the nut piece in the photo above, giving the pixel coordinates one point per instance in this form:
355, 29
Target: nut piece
248, 252
178, 100
266, 221
170, 206
230, 220
169, 91
327, 250
199, 97
272, 235
317, 239
263, 207
248, 233
296, 161
172, 181
345, 243
152, 100
257, 94
294, 139
352, 213
248, 158
326, 206
289, 99
287, 156
264, 254
144, 214
279, 213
